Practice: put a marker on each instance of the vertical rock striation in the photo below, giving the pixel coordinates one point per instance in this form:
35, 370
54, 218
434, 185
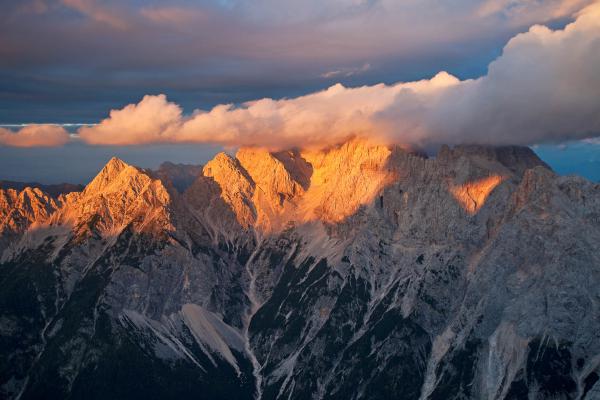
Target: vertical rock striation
356, 272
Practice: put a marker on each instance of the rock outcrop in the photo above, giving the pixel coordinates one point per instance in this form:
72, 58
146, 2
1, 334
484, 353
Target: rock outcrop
119, 196
356, 272
20, 209
54, 190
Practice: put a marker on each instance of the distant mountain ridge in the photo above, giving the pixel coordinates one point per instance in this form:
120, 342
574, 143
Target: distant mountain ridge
361, 271
53, 190
181, 176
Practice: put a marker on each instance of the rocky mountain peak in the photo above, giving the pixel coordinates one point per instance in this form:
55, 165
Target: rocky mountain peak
222, 194
119, 195
54, 190
224, 168
21, 208
107, 175
465, 276
271, 175
515, 159
268, 190
234, 182
113, 166
345, 177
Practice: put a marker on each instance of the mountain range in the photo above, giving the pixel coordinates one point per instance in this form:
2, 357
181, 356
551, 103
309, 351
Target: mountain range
361, 271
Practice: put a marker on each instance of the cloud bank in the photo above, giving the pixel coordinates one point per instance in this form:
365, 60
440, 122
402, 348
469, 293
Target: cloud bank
43, 135
545, 87
69, 59
314, 120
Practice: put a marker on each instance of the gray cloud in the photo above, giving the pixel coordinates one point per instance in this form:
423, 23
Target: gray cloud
118, 37
543, 88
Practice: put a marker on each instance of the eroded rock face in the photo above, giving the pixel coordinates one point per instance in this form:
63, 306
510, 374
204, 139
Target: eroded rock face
55, 190
120, 196
115, 288
222, 196
20, 209
334, 195
268, 191
356, 272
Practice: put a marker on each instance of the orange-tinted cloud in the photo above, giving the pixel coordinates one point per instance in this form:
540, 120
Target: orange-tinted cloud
98, 12
314, 120
174, 16
34, 136
152, 120
544, 87
526, 11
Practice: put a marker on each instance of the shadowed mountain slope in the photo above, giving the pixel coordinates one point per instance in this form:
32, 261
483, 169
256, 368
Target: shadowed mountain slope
356, 272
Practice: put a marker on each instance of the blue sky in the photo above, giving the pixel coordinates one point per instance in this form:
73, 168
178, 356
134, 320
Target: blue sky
72, 61
574, 158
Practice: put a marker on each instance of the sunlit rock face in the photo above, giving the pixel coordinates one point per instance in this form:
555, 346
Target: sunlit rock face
276, 190
472, 195
268, 191
20, 209
359, 271
120, 196
54, 190
334, 195
222, 195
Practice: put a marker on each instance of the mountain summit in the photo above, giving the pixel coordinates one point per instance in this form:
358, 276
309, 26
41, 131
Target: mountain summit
359, 271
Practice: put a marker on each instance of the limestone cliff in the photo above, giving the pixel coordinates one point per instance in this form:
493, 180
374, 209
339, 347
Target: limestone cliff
21, 209
359, 271
119, 196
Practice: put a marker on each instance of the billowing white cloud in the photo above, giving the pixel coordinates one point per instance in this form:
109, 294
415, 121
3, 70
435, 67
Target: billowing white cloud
43, 135
152, 120
313, 120
544, 87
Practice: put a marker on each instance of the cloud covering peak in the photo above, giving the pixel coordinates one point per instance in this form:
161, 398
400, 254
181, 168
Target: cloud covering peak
545, 87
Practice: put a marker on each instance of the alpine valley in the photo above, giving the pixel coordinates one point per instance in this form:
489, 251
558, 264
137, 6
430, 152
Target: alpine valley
360, 271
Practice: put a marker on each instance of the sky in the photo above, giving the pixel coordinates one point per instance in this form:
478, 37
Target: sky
179, 80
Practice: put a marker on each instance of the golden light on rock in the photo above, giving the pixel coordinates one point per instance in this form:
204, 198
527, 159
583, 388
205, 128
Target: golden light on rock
472, 195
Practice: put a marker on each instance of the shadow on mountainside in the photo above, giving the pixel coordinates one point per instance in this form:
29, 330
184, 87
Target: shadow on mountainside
412, 293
